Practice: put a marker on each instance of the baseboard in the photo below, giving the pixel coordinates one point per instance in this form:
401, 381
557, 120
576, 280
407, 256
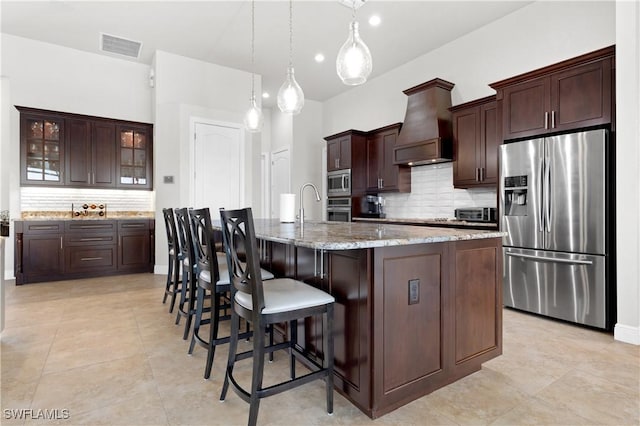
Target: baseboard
627, 334
8, 275
161, 269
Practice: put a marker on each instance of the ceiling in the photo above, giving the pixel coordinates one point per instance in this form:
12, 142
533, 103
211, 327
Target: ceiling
220, 32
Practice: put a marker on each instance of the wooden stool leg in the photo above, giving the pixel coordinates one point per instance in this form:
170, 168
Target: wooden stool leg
258, 371
233, 347
213, 334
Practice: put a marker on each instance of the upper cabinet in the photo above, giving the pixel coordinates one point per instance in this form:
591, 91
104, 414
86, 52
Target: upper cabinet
339, 152
82, 151
569, 95
382, 174
42, 149
91, 153
475, 143
134, 157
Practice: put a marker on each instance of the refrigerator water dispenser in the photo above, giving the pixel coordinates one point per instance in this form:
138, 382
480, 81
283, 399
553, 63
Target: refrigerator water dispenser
515, 199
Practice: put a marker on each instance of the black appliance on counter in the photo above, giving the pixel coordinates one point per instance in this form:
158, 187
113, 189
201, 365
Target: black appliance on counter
372, 206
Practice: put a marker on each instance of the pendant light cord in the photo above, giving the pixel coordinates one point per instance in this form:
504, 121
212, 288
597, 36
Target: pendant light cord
253, 77
290, 33
353, 10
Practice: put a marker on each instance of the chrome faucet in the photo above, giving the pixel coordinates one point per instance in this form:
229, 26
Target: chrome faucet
302, 199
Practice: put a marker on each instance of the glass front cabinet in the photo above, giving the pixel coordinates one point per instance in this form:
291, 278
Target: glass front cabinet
42, 149
134, 157
74, 150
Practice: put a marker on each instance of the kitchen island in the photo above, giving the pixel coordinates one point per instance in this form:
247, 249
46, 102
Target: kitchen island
416, 308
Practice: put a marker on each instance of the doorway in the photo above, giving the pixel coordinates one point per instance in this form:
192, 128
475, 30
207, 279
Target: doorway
218, 167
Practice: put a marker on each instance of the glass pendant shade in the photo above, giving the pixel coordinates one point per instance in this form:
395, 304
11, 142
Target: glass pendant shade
354, 63
290, 95
253, 119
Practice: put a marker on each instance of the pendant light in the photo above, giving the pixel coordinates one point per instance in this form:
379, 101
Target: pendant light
253, 119
354, 63
290, 95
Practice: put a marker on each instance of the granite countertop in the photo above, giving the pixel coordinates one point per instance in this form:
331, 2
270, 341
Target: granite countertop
66, 215
354, 235
431, 222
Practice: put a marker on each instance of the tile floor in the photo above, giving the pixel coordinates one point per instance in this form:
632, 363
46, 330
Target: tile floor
105, 351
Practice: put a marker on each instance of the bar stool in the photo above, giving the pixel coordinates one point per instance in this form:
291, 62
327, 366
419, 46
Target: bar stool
209, 272
279, 300
186, 307
172, 287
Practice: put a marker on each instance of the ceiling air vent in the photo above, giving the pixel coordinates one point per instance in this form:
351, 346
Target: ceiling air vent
120, 46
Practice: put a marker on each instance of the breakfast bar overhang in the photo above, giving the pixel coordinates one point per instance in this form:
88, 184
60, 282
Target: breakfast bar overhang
416, 308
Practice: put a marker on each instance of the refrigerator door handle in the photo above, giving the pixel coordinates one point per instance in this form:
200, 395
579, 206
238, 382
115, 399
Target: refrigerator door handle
550, 259
542, 205
547, 193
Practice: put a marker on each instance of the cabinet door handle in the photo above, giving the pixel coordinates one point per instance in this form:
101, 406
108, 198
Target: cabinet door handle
481, 174
553, 119
88, 177
60, 242
477, 178
381, 183
337, 163
85, 259
546, 120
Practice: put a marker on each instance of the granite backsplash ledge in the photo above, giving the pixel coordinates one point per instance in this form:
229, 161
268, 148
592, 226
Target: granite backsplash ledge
60, 215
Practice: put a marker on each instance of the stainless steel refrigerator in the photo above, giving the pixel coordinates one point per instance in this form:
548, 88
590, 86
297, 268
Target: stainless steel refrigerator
554, 206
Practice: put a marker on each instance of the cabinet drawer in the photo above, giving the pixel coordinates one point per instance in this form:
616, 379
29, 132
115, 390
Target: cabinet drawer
82, 259
92, 239
42, 227
133, 225
91, 226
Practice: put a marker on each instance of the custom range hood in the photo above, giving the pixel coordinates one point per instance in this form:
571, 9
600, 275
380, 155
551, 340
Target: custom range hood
426, 134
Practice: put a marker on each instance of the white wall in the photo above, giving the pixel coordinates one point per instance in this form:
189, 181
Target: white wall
186, 89
306, 158
47, 76
627, 170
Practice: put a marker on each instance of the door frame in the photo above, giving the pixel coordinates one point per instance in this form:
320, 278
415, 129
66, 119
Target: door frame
193, 121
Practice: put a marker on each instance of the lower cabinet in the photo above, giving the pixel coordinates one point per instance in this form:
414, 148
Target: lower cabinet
408, 319
56, 250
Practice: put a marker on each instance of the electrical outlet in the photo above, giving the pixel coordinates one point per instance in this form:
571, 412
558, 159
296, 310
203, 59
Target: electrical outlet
414, 291
168, 179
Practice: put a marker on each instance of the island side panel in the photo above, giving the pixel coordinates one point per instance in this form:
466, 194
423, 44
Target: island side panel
349, 281
476, 273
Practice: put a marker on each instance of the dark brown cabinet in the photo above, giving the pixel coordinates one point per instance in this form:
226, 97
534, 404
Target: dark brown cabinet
91, 153
348, 150
39, 254
42, 149
382, 174
81, 151
134, 159
569, 95
90, 247
135, 242
55, 250
475, 143
339, 153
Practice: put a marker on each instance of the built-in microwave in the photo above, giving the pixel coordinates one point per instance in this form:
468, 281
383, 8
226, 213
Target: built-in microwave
339, 183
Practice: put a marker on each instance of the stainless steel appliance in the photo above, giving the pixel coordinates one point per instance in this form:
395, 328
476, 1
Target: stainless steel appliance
372, 206
554, 206
339, 209
477, 214
339, 183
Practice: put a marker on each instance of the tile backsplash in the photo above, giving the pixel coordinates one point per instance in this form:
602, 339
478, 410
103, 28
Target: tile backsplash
433, 195
34, 199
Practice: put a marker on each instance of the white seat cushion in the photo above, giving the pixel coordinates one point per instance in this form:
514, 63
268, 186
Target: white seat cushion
224, 273
285, 294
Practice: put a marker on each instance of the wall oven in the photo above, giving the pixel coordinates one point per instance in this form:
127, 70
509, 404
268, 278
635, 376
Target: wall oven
339, 183
339, 209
